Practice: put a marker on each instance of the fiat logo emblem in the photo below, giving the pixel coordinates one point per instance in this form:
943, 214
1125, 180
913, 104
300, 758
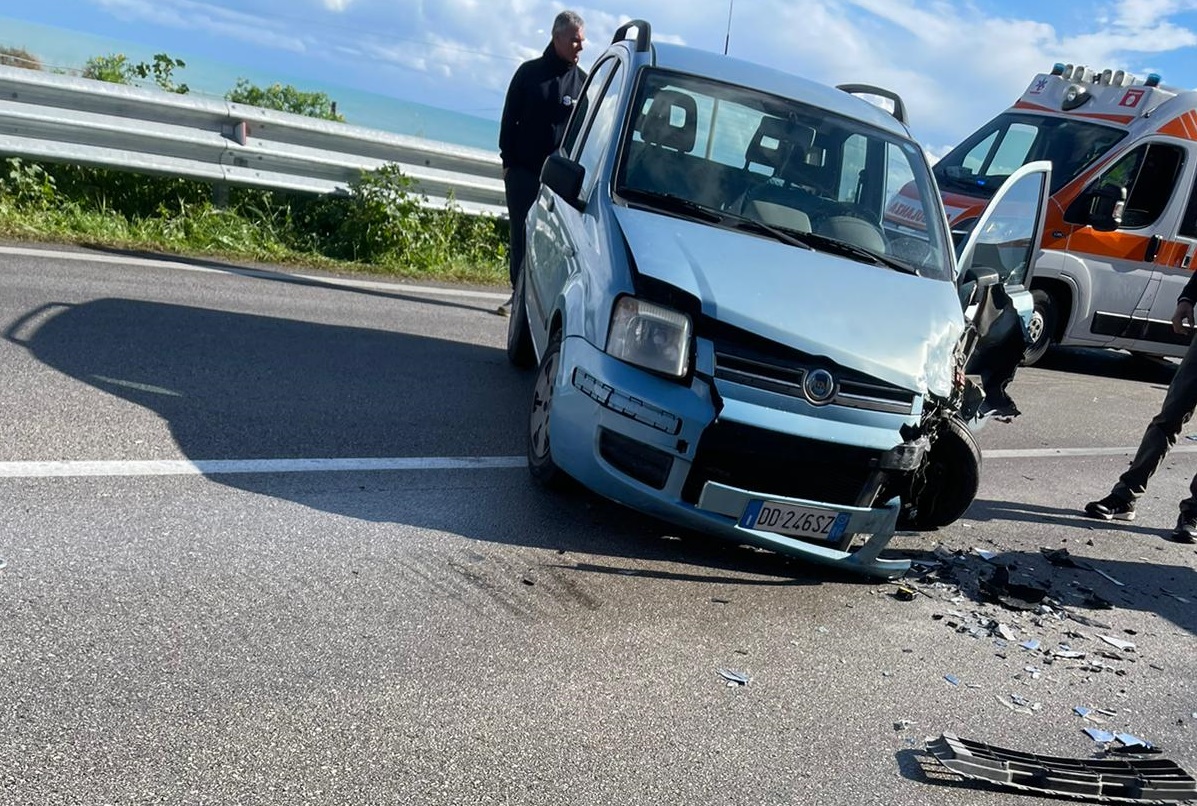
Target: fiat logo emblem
819, 386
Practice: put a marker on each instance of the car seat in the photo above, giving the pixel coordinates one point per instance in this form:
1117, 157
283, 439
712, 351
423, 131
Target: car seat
668, 129
781, 146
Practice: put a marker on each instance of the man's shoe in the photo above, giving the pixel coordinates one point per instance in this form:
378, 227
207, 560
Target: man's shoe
1111, 508
1186, 528
505, 308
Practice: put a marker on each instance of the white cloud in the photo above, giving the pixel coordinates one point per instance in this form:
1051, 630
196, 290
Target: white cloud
191, 16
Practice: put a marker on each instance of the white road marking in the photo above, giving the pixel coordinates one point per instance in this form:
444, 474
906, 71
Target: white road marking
371, 285
216, 467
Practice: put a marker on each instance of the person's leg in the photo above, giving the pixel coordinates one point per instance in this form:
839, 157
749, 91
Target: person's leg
1157, 440
1162, 431
521, 186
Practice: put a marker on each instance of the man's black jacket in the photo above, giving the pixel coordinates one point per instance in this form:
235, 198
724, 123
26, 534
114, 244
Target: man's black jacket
543, 92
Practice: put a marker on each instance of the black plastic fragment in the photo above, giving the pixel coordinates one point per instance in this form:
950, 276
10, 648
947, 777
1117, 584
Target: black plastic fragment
1121, 780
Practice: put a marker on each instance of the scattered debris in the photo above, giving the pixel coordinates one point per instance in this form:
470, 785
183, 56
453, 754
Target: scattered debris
1030, 645
953, 679
1164, 591
902, 724
1097, 570
1005, 632
985, 554
1017, 704
733, 678
1099, 735
1125, 779
1118, 643
716, 600
1059, 558
905, 594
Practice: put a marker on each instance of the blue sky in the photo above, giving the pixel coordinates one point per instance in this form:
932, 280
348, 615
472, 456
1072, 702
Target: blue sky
955, 64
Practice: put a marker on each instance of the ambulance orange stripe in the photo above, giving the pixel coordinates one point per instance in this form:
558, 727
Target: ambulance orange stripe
1182, 126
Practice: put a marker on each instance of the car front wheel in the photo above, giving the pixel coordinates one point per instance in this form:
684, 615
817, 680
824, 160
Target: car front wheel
540, 452
951, 477
519, 337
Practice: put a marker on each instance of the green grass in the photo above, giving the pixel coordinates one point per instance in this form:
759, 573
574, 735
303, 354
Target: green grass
379, 228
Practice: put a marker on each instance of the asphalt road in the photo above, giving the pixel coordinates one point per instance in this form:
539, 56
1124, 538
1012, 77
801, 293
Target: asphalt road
383, 609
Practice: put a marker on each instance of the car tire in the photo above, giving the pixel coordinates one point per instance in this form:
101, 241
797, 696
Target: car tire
1042, 328
540, 453
950, 477
519, 336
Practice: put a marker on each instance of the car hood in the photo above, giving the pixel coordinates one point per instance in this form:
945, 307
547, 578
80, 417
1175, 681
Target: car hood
895, 327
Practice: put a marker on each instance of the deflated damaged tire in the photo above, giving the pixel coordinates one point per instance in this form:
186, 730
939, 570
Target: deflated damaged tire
519, 338
950, 478
540, 452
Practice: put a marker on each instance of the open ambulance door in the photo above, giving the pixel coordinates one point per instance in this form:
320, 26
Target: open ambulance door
994, 275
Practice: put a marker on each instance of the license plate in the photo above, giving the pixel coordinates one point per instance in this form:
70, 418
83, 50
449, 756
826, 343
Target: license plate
795, 521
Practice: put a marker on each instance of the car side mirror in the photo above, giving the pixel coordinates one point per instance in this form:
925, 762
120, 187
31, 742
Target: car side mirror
1106, 204
564, 177
983, 276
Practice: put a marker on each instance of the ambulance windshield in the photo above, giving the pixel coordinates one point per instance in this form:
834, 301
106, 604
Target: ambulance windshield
979, 165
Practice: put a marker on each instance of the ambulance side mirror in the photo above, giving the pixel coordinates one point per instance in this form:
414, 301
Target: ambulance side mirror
1106, 204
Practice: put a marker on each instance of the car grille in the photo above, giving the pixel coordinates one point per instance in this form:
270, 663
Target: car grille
749, 360
779, 464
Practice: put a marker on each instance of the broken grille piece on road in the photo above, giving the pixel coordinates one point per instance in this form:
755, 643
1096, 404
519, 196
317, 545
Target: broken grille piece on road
1122, 780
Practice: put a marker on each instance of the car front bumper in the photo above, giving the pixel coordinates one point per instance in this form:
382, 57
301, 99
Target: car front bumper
632, 436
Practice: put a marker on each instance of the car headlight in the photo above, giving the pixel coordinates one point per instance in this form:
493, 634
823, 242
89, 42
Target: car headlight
650, 336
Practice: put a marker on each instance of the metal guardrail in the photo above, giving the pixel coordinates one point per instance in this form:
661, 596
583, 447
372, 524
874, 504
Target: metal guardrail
59, 118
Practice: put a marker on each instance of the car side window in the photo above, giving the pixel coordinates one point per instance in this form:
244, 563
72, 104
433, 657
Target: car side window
603, 97
1149, 173
594, 86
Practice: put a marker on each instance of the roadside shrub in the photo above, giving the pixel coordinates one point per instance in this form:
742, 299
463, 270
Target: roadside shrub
285, 98
116, 68
19, 57
27, 184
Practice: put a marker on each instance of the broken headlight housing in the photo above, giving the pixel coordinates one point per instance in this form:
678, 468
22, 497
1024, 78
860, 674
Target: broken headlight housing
650, 336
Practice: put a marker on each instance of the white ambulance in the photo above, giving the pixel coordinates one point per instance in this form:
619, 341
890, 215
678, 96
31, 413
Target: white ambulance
1121, 230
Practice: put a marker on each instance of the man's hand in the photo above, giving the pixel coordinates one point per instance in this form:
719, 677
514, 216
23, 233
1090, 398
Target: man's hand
1182, 320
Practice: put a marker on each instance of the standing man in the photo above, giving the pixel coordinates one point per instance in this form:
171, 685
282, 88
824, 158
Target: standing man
541, 96
1160, 436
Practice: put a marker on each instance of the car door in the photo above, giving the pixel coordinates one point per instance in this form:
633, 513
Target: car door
558, 235
1175, 246
1131, 298
998, 258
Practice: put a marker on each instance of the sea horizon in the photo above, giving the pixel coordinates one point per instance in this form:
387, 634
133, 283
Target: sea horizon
67, 50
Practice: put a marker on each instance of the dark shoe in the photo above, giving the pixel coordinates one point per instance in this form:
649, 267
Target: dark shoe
1111, 508
1186, 528
505, 308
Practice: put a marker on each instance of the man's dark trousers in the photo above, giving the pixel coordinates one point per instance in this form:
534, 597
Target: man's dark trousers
521, 185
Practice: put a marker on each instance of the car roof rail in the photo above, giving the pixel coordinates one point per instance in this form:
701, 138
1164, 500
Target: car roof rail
899, 110
644, 34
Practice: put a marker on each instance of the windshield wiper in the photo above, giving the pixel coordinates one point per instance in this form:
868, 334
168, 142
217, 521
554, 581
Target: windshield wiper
826, 244
786, 235
673, 203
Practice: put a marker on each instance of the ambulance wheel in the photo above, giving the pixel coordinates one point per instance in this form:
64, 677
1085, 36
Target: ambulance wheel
1042, 328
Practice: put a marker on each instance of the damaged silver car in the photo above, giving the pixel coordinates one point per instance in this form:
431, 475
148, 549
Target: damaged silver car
732, 330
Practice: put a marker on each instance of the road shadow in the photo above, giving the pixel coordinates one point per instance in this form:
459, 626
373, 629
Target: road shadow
314, 278
1115, 364
242, 386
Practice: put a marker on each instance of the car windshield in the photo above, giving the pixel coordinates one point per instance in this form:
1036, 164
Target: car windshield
979, 165
721, 154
